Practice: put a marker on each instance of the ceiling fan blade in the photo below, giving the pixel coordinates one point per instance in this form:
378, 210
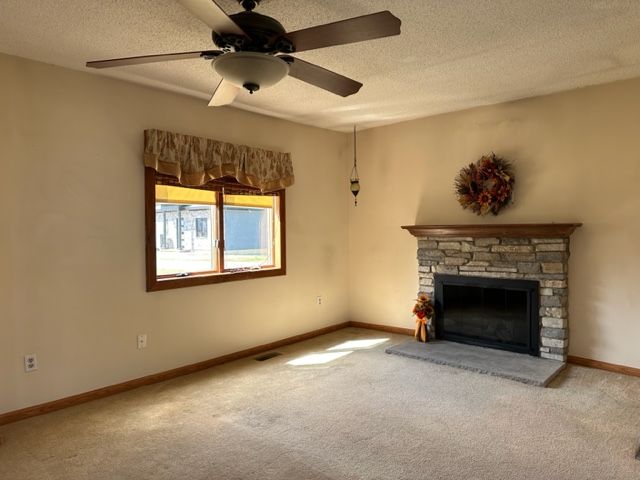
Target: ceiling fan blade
121, 62
224, 94
321, 77
212, 15
357, 29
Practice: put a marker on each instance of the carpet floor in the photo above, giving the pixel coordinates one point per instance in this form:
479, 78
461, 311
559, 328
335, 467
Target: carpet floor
359, 415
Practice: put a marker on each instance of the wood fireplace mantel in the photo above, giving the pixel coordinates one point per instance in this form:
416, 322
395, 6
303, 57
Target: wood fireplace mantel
514, 230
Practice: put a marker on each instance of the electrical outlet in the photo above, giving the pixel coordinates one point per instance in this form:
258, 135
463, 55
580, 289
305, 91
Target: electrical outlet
319, 300
142, 341
30, 362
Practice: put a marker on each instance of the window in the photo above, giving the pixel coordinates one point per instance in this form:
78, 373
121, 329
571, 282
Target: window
202, 226
215, 233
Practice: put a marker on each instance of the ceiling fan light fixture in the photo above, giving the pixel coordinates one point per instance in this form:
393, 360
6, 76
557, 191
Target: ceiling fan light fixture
250, 70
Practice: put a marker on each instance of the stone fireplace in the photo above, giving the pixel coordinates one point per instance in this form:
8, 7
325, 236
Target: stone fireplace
529, 252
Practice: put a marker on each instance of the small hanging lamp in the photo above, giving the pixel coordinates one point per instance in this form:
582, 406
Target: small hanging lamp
355, 180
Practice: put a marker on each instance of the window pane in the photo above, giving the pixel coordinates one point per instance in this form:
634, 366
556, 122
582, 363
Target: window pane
248, 231
185, 232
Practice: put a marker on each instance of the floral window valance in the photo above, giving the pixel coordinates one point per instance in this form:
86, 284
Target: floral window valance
195, 161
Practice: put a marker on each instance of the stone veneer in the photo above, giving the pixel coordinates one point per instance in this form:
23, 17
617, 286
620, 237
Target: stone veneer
542, 259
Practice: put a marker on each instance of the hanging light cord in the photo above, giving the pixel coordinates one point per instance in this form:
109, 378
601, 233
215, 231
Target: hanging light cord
355, 143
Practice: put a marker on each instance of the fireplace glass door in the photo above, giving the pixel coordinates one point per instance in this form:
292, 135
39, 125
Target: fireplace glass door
491, 312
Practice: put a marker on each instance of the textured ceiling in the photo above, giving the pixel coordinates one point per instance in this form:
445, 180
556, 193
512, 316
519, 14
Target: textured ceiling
451, 55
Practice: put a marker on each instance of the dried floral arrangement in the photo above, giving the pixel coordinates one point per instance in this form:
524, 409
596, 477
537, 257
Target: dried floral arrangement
423, 310
485, 186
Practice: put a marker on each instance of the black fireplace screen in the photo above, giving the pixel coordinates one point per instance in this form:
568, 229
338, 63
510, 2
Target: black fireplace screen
491, 312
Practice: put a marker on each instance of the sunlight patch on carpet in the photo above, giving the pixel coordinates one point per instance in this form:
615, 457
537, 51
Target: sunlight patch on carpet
318, 358
359, 344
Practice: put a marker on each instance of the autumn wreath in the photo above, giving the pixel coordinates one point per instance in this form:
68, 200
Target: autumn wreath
423, 310
485, 186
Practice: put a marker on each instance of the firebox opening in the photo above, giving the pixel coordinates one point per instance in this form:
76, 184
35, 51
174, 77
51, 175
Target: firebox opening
490, 312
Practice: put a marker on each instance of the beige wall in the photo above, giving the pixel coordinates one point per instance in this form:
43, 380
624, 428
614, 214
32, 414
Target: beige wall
72, 284
72, 271
577, 159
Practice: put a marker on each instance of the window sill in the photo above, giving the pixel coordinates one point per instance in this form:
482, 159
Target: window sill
157, 284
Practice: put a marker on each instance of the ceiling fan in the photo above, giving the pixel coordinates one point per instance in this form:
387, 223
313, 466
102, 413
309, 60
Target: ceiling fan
254, 50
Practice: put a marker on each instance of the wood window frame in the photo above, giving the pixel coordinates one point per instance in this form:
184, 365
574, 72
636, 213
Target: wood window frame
155, 283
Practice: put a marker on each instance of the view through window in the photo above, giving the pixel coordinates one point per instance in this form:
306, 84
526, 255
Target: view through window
200, 232
182, 245
248, 231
